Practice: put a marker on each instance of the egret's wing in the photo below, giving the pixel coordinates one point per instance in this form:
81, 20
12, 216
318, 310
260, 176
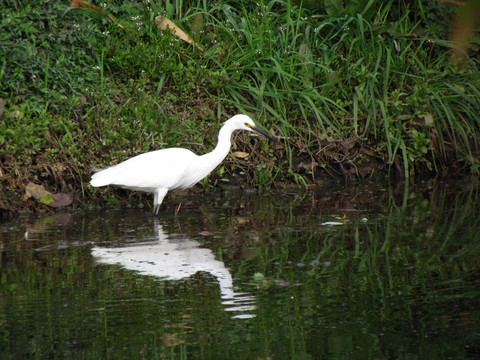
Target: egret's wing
157, 169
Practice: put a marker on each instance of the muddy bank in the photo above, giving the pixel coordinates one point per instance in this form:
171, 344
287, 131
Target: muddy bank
27, 189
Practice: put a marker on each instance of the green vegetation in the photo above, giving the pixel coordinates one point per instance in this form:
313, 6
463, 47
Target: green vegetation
352, 89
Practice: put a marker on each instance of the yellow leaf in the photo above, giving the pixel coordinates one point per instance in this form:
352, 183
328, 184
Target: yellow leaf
164, 23
37, 191
240, 154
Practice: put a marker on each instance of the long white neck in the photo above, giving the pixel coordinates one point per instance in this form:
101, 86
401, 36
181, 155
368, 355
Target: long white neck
206, 163
216, 156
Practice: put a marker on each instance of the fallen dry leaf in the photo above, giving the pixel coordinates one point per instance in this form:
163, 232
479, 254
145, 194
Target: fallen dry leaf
42, 195
307, 165
15, 114
164, 23
240, 154
61, 200
86, 5
37, 191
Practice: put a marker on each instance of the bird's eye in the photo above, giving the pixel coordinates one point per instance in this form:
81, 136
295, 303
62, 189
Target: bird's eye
247, 124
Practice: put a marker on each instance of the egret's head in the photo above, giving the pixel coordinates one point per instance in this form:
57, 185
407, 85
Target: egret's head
244, 122
241, 122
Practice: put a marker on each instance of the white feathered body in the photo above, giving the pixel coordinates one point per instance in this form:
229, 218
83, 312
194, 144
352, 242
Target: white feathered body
173, 168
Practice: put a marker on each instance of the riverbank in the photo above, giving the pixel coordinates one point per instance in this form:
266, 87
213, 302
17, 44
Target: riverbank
350, 93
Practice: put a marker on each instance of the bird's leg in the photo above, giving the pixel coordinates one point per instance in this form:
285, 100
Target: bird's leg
155, 202
158, 196
178, 209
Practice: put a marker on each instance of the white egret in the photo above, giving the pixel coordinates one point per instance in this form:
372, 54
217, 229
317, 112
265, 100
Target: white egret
174, 168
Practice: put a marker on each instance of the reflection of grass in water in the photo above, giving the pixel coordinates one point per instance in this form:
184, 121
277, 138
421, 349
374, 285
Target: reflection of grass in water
404, 280
421, 250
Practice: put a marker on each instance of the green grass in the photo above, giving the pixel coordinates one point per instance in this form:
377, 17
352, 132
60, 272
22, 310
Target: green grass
351, 90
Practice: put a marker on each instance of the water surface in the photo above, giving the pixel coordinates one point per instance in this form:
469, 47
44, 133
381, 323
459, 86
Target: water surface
357, 272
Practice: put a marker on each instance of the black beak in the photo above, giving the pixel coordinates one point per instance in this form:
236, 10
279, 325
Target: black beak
264, 133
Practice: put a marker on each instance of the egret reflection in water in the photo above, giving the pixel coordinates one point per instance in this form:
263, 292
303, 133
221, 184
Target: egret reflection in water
174, 258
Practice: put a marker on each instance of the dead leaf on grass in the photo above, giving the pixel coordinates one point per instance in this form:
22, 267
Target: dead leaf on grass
42, 195
164, 23
61, 199
307, 165
86, 5
240, 154
428, 119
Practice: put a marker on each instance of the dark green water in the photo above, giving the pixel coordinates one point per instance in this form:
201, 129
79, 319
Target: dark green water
360, 273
